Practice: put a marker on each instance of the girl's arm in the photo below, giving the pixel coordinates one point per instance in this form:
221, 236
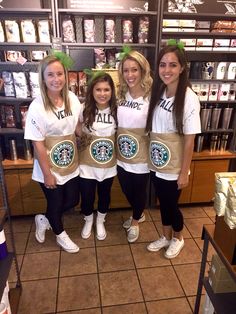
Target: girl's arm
183, 178
41, 154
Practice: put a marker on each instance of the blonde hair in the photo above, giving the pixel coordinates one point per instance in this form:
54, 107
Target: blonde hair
146, 79
48, 105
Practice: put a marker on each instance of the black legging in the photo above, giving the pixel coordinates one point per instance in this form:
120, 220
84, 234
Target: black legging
88, 191
134, 186
168, 195
59, 200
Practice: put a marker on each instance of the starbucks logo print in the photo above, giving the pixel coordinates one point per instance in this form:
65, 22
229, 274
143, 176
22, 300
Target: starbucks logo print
102, 150
159, 154
62, 154
128, 146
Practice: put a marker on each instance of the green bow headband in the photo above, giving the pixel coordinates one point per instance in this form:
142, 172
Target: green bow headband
65, 59
93, 74
124, 52
174, 42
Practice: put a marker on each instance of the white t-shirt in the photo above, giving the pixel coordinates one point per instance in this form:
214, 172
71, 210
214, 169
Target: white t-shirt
163, 122
104, 125
132, 114
41, 123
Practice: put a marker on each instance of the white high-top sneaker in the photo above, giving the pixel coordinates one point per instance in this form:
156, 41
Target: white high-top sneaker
87, 228
100, 228
66, 243
41, 225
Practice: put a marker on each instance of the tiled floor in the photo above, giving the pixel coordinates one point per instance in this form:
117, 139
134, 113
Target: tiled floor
110, 276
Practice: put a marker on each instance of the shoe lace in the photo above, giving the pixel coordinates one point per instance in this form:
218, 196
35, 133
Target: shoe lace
173, 244
132, 230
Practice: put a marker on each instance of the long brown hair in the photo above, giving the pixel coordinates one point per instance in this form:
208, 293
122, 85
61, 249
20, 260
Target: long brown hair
43, 88
90, 108
159, 87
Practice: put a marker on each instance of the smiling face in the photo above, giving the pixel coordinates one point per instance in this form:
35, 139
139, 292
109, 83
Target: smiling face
102, 94
54, 77
132, 74
170, 70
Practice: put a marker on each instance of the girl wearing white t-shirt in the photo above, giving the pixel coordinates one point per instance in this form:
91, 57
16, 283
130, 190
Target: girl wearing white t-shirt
173, 120
50, 125
97, 153
132, 140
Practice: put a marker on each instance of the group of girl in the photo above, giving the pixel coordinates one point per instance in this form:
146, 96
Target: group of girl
150, 127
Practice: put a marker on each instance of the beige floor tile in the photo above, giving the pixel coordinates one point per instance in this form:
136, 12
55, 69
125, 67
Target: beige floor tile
115, 235
144, 258
138, 308
210, 211
20, 241
83, 262
34, 246
121, 287
114, 217
193, 212
20, 224
211, 249
147, 232
189, 254
155, 214
192, 301
114, 258
186, 233
188, 275
73, 220
38, 297
77, 293
170, 306
40, 266
159, 283
195, 225
89, 311
12, 275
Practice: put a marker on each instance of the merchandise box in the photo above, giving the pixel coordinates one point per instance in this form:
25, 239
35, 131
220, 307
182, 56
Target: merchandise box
213, 92
225, 238
204, 44
221, 44
221, 286
223, 93
189, 43
204, 90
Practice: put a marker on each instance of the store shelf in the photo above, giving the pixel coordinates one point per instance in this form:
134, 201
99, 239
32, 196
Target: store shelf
106, 13
14, 100
5, 266
17, 164
113, 45
11, 131
218, 154
199, 16
197, 35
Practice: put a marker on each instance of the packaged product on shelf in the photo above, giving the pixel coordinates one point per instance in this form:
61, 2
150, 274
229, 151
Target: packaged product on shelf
27, 150
221, 44
100, 58
230, 209
9, 89
189, 43
232, 46
10, 116
23, 112
20, 84
195, 70
204, 44
221, 27
220, 70
73, 82
223, 94
187, 25
170, 25
213, 91
111, 57
37, 55
13, 149
68, 31
143, 29
44, 31
215, 118
2, 116
204, 89
34, 84
89, 30
28, 31
13, 56
227, 114
12, 31
196, 88
232, 91
109, 30
231, 71
202, 26
2, 36
207, 70
82, 84
127, 30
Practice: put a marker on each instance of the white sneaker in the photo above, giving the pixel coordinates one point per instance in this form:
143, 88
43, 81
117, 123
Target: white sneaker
158, 244
100, 228
42, 224
174, 248
87, 228
66, 243
133, 234
127, 223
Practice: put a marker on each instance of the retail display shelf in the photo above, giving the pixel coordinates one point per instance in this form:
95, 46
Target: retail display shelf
13, 100
218, 154
198, 16
105, 12
5, 266
118, 45
11, 131
17, 164
197, 34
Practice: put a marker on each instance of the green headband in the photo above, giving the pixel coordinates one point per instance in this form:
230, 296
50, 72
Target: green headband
65, 59
124, 52
93, 74
174, 42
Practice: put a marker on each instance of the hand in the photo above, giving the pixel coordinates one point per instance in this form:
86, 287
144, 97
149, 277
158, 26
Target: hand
182, 181
50, 181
